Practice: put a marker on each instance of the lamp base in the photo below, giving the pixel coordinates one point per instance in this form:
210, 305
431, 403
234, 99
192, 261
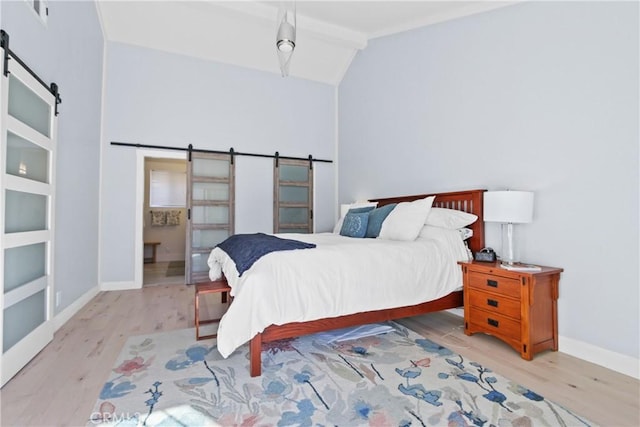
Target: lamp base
508, 255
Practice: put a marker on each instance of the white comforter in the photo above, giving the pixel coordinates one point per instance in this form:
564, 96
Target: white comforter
340, 276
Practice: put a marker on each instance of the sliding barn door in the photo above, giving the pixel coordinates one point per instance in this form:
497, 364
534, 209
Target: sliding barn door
28, 131
293, 196
210, 210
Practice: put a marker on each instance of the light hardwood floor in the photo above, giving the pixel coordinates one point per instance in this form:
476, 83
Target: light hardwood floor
156, 274
60, 386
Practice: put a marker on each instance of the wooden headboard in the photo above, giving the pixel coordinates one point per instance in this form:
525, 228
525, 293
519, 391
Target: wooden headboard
467, 201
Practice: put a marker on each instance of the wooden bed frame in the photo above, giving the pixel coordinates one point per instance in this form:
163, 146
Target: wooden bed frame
467, 201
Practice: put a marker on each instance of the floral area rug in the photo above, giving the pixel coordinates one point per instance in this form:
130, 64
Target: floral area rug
394, 379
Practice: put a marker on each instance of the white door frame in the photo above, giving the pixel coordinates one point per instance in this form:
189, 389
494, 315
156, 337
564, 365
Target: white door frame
141, 155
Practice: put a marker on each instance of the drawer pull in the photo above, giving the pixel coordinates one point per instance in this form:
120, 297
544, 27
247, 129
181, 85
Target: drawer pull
493, 322
492, 283
492, 303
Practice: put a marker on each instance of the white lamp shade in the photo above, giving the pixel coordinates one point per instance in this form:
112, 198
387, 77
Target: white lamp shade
508, 206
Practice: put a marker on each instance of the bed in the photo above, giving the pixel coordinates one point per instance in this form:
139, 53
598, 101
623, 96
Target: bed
262, 313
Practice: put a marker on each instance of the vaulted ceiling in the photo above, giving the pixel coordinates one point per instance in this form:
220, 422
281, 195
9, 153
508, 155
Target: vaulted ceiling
329, 33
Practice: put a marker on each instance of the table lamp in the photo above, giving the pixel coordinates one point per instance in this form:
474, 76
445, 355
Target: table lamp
508, 208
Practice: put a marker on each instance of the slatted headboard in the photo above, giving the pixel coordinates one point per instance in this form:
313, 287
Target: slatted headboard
467, 201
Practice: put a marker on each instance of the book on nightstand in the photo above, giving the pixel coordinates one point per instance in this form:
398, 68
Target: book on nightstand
521, 267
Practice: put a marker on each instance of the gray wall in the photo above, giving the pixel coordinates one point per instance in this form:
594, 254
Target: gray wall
68, 50
540, 96
159, 98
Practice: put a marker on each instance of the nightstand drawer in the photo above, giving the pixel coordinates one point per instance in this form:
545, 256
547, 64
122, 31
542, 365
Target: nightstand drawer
494, 324
495, 304
493, 283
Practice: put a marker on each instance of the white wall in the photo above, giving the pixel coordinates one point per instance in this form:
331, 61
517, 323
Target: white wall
165, 99
539, 96
68, 51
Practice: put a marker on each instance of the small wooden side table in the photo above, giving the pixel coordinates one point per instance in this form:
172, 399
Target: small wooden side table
219, 286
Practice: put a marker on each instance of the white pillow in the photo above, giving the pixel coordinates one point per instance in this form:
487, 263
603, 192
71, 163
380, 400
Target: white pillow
449, 218
406, 220
449, 240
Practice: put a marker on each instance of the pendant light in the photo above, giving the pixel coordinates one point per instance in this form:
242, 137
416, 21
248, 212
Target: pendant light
286, 36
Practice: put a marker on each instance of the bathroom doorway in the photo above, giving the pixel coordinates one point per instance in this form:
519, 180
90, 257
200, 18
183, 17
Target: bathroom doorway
164, 221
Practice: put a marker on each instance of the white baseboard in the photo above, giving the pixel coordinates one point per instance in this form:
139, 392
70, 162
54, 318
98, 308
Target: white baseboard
609, 359
66, 314
118, 286
622, 363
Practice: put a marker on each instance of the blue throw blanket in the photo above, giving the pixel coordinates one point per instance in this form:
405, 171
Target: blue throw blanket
246, 249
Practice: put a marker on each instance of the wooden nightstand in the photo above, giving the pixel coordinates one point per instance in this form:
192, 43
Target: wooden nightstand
519, 307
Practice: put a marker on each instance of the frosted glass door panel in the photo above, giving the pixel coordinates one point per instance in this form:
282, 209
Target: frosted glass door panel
210, 214
199, 263
210, 191
208, 238
24, 212
210, 168
26, 106
24, 264
294, 173
294, 215
26, 160
290, 194
22, 318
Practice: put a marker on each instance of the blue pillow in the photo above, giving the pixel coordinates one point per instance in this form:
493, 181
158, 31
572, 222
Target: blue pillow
376, 218
355, 224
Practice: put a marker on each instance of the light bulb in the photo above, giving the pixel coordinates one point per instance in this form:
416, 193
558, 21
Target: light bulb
285, 45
